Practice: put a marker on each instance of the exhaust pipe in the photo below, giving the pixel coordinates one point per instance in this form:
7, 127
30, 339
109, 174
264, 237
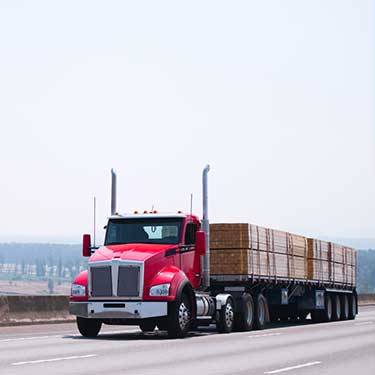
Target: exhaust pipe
206, 229
113, 192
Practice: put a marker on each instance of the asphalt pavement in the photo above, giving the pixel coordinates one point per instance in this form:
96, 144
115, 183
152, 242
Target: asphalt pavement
346, 347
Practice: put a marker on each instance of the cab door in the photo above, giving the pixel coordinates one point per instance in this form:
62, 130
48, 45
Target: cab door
189, 260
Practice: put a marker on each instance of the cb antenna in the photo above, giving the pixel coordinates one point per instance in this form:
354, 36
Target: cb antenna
94, 220
191, 205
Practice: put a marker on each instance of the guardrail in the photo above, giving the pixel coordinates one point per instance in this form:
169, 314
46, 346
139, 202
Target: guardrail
19, 310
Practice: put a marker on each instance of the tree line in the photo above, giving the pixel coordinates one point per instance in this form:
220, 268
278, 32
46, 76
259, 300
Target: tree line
57, 263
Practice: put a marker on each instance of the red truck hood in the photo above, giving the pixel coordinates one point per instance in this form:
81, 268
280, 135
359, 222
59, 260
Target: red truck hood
137, 251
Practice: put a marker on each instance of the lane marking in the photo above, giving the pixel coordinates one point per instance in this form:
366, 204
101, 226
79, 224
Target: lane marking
363, 324
293, 367
66, 334
265, 335
29, 338
53, 359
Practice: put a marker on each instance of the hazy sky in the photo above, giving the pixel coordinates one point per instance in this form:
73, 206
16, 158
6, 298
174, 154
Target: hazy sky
278, 96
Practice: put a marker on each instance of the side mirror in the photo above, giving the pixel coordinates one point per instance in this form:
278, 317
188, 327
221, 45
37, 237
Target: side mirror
200, 241
86, 245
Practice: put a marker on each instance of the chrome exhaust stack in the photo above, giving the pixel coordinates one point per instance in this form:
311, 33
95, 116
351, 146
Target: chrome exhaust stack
113, 192
206, 228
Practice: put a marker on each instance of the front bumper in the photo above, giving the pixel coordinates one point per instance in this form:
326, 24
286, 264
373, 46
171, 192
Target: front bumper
118, 310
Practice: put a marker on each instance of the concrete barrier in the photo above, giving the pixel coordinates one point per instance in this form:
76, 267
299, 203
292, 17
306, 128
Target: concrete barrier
366, 299
20, 310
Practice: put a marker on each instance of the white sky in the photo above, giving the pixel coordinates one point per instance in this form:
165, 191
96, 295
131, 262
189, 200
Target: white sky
278, 96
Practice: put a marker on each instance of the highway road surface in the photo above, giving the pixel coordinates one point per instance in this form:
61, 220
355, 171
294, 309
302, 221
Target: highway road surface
301, 348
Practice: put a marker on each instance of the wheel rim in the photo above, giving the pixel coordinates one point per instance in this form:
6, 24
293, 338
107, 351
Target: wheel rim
261, 312
183, 315
354, 311
249, 314
329, 308
338, 307
229, 315
346, 307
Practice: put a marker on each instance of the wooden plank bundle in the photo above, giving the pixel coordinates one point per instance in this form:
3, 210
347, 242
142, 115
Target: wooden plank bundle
247, 249
254, 251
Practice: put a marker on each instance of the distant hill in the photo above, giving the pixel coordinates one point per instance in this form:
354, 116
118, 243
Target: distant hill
29, 252
69, 256
357, 243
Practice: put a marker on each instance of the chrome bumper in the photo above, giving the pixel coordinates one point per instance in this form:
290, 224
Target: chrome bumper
118, 310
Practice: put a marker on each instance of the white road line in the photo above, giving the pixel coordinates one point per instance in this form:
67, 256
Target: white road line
265, 335
53, 360
29, 338
363, 324
293, 367
63, 335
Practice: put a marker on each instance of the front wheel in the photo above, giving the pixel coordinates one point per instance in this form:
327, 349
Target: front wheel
88, 327
179, 316
147, 326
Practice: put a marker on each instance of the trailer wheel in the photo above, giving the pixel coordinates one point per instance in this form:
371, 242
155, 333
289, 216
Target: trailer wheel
179, 316
260, 312
327, 312
336, 307
344, 307
88, 327
352, 307
147, 326
244, 319
226, 317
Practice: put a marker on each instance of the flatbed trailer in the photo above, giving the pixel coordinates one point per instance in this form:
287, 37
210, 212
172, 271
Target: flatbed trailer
176, 272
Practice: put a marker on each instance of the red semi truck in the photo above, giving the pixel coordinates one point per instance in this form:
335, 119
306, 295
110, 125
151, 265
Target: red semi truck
154, 271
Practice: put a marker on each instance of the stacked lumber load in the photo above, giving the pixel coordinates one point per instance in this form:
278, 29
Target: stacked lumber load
247, 249
343, 264
318, 258
258, 252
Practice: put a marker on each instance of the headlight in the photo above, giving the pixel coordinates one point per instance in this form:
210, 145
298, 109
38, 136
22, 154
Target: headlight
78, 290
160, 290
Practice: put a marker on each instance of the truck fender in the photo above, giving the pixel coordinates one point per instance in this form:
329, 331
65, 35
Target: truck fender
221, 300
179, 284
81, 279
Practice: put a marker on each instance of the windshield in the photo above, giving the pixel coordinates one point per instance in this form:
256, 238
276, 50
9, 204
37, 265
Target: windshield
157, 231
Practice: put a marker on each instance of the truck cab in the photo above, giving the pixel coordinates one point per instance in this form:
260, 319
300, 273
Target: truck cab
145, 274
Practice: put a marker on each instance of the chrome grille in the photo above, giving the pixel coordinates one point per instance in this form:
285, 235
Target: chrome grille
128, 281
116, 278
101, 281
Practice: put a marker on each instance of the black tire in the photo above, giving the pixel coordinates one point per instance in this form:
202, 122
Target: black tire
260, 312
345, 307
147, 326
336, 314
225, 323
179, 316
244, 318
88, 327
352, 307
162, 324
327, 312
